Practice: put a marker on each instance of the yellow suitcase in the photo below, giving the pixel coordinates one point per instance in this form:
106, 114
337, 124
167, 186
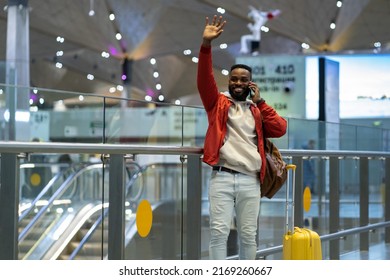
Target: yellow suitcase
299, 243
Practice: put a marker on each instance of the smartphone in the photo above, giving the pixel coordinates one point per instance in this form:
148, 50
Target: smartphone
251, 92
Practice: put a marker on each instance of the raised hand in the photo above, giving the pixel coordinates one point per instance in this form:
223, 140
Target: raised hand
213, 30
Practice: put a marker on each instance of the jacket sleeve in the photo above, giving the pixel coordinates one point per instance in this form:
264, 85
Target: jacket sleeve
207, 87
274, 126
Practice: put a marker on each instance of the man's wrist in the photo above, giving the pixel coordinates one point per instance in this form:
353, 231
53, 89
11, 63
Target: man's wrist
260, 101
206, 43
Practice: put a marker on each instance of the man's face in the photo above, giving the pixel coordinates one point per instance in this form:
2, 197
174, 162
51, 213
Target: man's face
239, 83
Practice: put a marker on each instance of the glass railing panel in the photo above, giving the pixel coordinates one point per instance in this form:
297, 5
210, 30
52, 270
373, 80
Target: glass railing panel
376, 189
92, 238
87, 117
114, 121
54, 116
348, 137
41, 176
334, 136
376, 200
369, 139
77, 117
57, 219
14, 116
299, 133
144, 124
272, 221
194, 126
349, 199
3, 103
316, 210
163, 185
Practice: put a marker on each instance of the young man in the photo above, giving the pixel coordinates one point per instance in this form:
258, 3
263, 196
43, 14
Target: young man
234, 148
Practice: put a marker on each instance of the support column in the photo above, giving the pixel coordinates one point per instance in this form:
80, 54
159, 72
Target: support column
364, 202
334, 206
116, 212
9, 206
387, 198
18, 70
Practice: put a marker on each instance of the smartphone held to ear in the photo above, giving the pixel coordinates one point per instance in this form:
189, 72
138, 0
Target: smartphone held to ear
251, 92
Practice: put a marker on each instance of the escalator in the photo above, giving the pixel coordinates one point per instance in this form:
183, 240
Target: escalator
161, 185
73, 222
91, 240
45, 218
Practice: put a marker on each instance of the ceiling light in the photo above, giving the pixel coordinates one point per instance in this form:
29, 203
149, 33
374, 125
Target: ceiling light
339, 4
220, 10
264, 28
60, 39
81, 98
305, 46
158, 86
118, 36
111, 16
105, 54
225, 72
148, 98
161, 97
59, 65
155, 74
153, 61
90, 77
91, 12
332, 25
177, 102
195, 59
223, 46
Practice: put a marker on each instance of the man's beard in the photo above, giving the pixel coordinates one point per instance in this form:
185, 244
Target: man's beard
242, 96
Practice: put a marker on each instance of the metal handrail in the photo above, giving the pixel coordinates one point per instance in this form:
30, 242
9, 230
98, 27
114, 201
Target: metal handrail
31, 147
327, 237
90, 148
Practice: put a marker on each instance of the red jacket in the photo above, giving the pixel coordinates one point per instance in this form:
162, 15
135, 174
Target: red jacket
217, 106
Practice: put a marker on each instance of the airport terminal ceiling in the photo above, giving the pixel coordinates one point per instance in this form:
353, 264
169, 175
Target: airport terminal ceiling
164, 29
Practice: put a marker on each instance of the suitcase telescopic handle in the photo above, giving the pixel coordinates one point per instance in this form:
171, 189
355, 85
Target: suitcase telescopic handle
292, 167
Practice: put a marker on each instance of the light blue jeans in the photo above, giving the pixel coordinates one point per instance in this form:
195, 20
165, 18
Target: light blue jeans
229, 192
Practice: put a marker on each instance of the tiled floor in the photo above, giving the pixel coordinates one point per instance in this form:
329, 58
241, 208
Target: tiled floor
376, 252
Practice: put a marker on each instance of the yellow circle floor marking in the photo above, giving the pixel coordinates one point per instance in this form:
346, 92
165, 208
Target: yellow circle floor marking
35, 179
306, 199
144, 218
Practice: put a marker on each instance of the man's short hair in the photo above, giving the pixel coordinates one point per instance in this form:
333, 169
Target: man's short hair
243, 66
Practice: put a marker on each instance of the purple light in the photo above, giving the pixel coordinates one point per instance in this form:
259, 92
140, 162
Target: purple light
150, 92
34, 97
124, 77
112, 50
